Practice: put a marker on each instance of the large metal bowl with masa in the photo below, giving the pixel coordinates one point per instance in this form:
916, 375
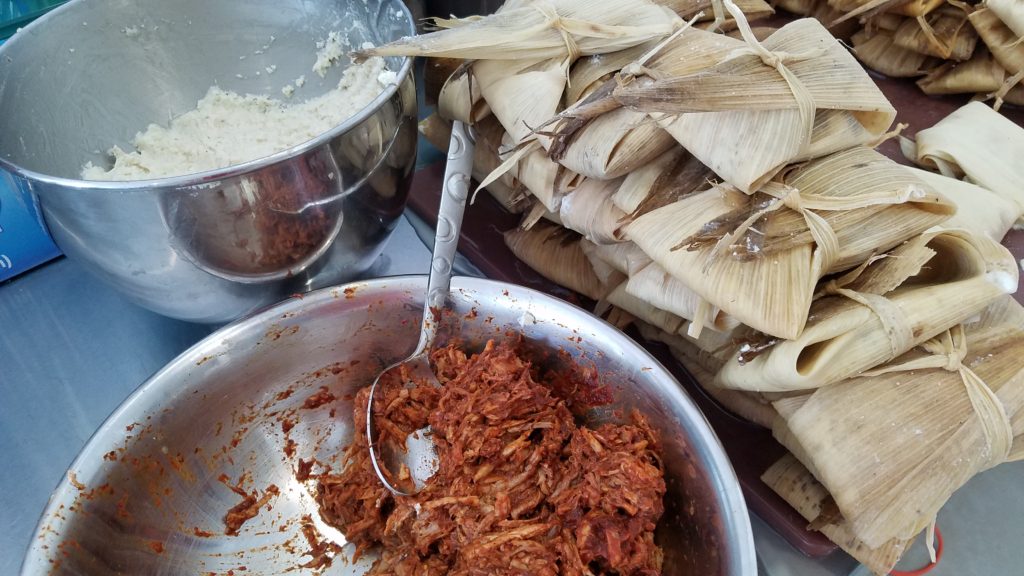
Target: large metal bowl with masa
211, 246
150, 491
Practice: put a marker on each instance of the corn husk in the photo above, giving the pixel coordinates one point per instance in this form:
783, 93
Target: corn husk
913, 8
923, 287
979, 74
614, 145
945, 33
664, 180
460, 98
923, 432
883, 21
1004, 44
544, 179
1011, 12
978, 209
655, 285
436, 72
590, 72
625, 258
800, 489
753, 9
643, 310
521, 94
555, 253
879, 52
798, 7
980, 144
741, 117
436, 130
787, 263
536, 30
589, 210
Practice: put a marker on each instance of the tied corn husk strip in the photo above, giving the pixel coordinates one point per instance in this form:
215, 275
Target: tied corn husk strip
662, 181
655, 285
879, 51
588, 210
1011, 12
625, 258
555, 253
980, 144
800, 489
815, 224
944, 34
924, 425
702, 366
923, 287
641, 310
536, 30
758, 107
981, 74
978, 209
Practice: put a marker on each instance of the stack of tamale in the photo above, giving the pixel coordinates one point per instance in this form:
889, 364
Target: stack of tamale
716, 184
970, 47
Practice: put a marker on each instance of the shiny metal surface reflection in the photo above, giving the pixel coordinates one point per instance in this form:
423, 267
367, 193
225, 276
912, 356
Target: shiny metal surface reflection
147, 494
213, 246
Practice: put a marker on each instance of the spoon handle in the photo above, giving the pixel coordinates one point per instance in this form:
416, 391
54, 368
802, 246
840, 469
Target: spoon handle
454, 192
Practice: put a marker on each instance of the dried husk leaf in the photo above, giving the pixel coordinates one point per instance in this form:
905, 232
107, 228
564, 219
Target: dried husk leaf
753, 9
666, 179
945, 33
900, 7
590, 72
979, 74
615, 144
943, 278
538, 29
1011, 12
1004, 44
655, 285
879, 52
460, 98
555, 253
916, 8
624, 257
800, 489
978, 209
643, 310
917, 431
740, 117
521, 94
981, 144
589, 210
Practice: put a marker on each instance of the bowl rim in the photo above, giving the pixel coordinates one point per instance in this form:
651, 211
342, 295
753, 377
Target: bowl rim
206, 177
739, 552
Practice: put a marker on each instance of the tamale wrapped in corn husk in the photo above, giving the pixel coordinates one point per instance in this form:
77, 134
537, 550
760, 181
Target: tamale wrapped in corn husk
654, 284
883, 21
1011, 12
980, 144
978, 209
924, 425
460, 98
643, 310
782, 255
916, 8
537, 30
521, 94
555, 253
543, 178
702, 365
753, 9
920, 289
979, 74
590, 72
945, 33
745, 119
664, 180
613, 145
624, 257
879, 52
800, 489
1005, 45
589, 210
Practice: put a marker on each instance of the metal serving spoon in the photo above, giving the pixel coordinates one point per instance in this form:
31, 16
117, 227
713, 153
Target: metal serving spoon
420, 455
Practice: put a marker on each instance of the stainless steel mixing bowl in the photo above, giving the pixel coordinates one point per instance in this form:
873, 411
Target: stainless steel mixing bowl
212, 246
144, 496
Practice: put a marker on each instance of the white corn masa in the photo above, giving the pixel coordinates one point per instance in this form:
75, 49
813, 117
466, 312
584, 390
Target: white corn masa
227, 128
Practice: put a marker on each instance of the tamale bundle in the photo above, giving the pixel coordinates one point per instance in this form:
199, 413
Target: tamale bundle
589, 210
978, 144
785, 250
556, 254
944, 33
654, 284
924, 424
979, 75
921, 288
642, 310
879, 51
460, 98
1003, 42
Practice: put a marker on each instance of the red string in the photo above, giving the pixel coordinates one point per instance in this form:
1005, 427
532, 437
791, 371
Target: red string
929, 567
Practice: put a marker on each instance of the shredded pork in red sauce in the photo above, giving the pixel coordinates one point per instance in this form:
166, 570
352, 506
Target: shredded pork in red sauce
520, 487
